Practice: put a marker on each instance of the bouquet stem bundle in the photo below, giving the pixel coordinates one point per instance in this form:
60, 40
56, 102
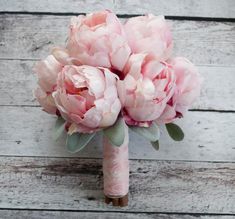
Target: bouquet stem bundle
116, 171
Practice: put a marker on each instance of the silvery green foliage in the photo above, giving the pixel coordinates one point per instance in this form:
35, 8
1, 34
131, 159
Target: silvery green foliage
77, 141
175, 132
151, 133
59, 128
155, 144
116, 133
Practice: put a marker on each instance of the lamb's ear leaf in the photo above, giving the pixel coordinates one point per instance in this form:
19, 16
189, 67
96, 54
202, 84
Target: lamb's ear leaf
175, 132
151, 133
155, 144
116, 133
77, 141
59, 128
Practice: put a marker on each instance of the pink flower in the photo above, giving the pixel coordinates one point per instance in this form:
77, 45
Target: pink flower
188, 83
97, 39
147, 87
45, 100
47, 71
87, 98
149, 34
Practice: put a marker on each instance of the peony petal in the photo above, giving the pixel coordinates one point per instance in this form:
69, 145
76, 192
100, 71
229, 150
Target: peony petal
97, 39
46, 101
168, 115
152, 68
121, 91
73, 103
95, 80
92, 118
47, 71
149, 34
147, 89
119, 53
134, 65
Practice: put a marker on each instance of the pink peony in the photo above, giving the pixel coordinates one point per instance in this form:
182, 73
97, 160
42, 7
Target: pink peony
187, 90
147, 87
47, 71
87, 98
97, 39
149, 34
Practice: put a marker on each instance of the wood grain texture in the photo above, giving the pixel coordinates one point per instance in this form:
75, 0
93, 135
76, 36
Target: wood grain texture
192, 8
27, 131
32, 37
30, 214
16, 87
36, 184
155, 186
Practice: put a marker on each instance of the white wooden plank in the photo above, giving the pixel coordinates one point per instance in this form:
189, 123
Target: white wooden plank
29, 214
191, 8
27, 131
32, 37
199, 8
155, 186
17, 85
58, 6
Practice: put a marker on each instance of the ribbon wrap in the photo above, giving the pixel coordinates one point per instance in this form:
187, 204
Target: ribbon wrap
116, 167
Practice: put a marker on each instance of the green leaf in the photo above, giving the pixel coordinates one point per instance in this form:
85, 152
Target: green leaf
151, 133
116, 133
155, 144
175, 132
77, 141
59, 128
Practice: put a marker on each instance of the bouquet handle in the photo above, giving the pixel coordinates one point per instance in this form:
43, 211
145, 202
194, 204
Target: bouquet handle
116, 171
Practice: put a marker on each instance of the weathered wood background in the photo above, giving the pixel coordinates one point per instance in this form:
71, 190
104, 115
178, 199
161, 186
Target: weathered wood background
191, 179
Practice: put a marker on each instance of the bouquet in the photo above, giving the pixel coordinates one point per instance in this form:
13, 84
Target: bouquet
111, 77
